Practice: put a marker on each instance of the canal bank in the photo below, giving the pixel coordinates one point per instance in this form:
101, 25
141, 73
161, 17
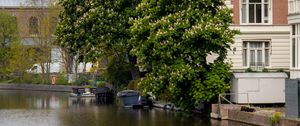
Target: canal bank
260, 117
36, 87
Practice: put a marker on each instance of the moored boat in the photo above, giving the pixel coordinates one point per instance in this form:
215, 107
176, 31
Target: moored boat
132, 98
82, 92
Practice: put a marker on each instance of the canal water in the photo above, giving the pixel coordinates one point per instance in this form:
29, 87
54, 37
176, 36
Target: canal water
37, 108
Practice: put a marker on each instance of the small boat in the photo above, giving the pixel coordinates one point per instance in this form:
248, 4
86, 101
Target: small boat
132, 98
82, 92
82, 95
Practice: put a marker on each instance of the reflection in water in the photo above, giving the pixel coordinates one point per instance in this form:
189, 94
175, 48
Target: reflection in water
35, 108
17, 99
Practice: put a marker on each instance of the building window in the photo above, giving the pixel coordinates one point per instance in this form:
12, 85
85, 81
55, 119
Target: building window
33, 25
293, 53
256, 53
295, 39
294, 6
255, 11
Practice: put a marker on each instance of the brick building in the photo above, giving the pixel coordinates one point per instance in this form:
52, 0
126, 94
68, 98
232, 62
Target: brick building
36, 25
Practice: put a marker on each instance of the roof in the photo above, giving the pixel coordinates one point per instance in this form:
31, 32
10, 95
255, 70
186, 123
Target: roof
260, 75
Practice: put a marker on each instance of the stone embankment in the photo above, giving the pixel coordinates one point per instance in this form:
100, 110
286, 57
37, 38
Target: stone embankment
37, 87
234, 113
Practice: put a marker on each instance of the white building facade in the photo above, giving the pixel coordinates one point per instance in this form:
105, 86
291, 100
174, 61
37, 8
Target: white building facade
294, 22
264, 39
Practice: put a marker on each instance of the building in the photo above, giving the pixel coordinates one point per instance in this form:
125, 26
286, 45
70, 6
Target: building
36, 25
264, 41
294, 22
36, 21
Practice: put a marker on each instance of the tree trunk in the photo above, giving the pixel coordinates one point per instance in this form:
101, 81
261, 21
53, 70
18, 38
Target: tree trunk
135, 73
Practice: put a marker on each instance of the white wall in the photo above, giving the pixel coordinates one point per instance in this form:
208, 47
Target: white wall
277, 35
260, 90
56, 65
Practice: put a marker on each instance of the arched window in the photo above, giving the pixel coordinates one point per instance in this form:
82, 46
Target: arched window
33, 25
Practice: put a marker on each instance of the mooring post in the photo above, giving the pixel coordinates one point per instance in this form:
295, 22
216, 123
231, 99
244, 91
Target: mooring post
219, 107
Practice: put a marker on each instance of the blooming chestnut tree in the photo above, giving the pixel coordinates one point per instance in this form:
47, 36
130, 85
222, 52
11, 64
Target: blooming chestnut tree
172, 39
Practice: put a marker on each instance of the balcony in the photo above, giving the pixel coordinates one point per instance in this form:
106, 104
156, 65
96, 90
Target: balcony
294, 7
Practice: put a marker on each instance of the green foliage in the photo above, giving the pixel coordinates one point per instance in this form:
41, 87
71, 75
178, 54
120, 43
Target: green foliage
21, 58
91, 82
276, 118
83, 80
172, 39
100, 83
101, 27
28, 78
61, 79
132, 85
8, 34
118, 71
38, 79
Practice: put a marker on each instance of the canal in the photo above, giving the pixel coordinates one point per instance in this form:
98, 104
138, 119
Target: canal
37, 108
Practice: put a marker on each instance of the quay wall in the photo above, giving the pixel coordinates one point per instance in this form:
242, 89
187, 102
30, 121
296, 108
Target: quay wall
36, 87
234, 113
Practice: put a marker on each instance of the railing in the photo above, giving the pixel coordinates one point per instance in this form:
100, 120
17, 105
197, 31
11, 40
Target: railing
294, 6
221, 97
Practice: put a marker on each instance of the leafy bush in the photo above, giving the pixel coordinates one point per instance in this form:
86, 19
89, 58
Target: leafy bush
83, 80
276, 118
27, 78
91, 82
38, 79
100, 83
61, 79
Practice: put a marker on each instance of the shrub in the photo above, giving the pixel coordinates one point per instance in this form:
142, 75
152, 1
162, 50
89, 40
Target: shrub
91, 82
38, 79
83, 80
276, 118
100, 83
27, 78
61, 79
